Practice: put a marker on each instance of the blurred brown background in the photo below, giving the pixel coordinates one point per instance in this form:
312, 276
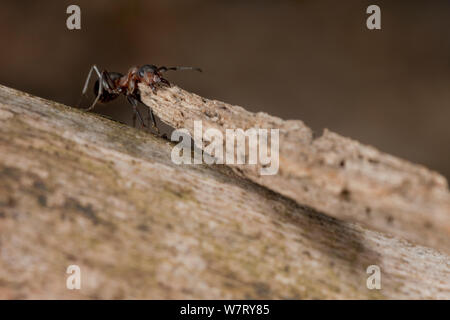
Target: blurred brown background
312, 60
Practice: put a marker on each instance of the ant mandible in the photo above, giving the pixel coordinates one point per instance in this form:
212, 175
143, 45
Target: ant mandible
112, 84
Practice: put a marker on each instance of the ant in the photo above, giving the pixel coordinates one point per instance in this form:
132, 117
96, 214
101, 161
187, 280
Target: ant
111, 84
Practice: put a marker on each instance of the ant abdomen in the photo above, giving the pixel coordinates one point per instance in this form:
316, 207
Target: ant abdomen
107, 96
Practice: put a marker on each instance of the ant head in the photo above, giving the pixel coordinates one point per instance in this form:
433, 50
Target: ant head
147, 68
107, 96
150, 74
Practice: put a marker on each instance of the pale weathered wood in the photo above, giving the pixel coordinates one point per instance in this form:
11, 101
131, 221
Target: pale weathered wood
336, 175
79, 189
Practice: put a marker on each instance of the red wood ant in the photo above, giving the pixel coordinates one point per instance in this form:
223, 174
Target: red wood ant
110, 85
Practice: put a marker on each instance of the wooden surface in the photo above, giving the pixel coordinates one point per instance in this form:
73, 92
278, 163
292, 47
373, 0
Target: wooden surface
333, 174
76, 188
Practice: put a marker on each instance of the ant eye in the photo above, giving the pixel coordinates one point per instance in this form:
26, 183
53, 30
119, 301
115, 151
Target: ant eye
146, 68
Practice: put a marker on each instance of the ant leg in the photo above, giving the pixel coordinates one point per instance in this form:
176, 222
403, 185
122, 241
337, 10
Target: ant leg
150, 112
134, 103
136, 112
103, 86
109, 82
83, 92
100, 91
152, 116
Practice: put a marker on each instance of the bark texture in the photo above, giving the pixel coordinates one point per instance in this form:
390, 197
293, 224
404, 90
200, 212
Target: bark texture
333, 174
76, 188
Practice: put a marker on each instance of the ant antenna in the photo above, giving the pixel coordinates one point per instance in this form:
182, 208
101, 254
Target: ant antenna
164, 69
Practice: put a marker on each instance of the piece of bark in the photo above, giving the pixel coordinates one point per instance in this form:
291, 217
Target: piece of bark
333, 174
78, 189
